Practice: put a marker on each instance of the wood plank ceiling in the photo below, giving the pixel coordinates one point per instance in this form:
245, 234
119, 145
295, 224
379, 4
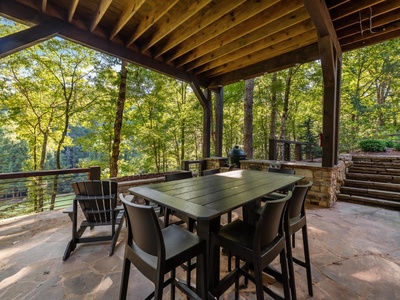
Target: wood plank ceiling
213, 42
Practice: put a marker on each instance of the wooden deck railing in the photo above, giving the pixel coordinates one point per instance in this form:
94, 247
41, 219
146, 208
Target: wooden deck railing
38, 191
287, 151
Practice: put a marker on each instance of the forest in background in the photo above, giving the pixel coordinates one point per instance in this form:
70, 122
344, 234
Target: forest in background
60, 107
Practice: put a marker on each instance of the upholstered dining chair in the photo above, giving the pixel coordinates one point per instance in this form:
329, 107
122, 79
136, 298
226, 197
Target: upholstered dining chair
156, 252
257, 245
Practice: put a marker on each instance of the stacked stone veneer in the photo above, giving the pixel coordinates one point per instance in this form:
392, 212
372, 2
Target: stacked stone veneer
327, 181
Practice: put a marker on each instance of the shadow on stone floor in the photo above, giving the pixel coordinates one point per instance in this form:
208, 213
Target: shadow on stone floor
355, 254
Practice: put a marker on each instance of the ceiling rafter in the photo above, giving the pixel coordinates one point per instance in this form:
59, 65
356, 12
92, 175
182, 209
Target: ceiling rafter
72, 9
277, 63
44, 5
157, 12
196, 24
128, 12
101, 10
235, 39
188, 10
253, 7
267, 42
219, 40
288, 45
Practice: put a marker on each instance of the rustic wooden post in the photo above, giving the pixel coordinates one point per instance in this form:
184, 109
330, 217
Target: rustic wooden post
272, 155
298, 152
94, 173
219, 120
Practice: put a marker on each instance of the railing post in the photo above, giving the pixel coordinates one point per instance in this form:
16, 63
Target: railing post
298, 152
186, 165
272, 155
286, 149
94, 173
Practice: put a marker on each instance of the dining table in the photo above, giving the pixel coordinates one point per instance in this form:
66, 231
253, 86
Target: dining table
206, 198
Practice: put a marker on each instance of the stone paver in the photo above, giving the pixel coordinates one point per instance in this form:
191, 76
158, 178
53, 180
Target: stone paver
355, 254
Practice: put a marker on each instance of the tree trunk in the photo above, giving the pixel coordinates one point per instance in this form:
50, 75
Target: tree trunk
118, 120
248, 118
285, 110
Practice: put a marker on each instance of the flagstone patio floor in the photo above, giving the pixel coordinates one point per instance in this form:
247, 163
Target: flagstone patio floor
355, 254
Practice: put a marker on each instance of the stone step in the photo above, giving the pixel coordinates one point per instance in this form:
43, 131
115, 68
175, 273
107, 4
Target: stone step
374, 170
372, 185
374, 177
375, 158
393, 165
369, 201
381, 194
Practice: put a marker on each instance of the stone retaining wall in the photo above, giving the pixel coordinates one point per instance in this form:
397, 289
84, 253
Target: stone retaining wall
327, 181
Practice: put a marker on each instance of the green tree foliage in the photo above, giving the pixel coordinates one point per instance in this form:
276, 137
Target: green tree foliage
59, 103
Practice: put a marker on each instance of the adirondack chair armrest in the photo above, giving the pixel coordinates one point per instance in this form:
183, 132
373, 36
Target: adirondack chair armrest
69, 210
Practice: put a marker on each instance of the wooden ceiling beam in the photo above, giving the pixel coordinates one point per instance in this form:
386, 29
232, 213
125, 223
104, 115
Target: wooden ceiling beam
322, 20
272, 42
83, 37
373, 40
127, 13
354, 18
44, 6
378, 24
199, 57
101, 10
352, 7
72, 9
363, 38
155, 14
185, 13
29, 37
281, 62
286, 46
196, 24
235, 17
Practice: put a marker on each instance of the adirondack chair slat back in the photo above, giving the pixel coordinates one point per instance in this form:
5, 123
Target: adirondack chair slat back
101, 199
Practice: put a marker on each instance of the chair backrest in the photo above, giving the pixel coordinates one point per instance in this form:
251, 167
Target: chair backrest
210, 172
284, 171
99, 207
270, 223
178, 176
143, 229
296, 203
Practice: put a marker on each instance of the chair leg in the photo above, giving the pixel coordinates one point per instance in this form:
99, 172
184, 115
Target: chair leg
159, 286
258, 281
237, 275
307, 260
293, 241
285, 275
125, 279
166, 216
115, 236
68, 250
173, 275
289, 254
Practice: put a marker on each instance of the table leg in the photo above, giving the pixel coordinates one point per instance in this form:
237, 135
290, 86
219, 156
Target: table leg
204, 229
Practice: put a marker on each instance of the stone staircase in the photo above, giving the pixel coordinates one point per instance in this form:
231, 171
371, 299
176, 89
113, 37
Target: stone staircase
373, 180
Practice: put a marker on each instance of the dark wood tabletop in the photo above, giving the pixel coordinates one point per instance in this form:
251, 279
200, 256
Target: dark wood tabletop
207, 197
